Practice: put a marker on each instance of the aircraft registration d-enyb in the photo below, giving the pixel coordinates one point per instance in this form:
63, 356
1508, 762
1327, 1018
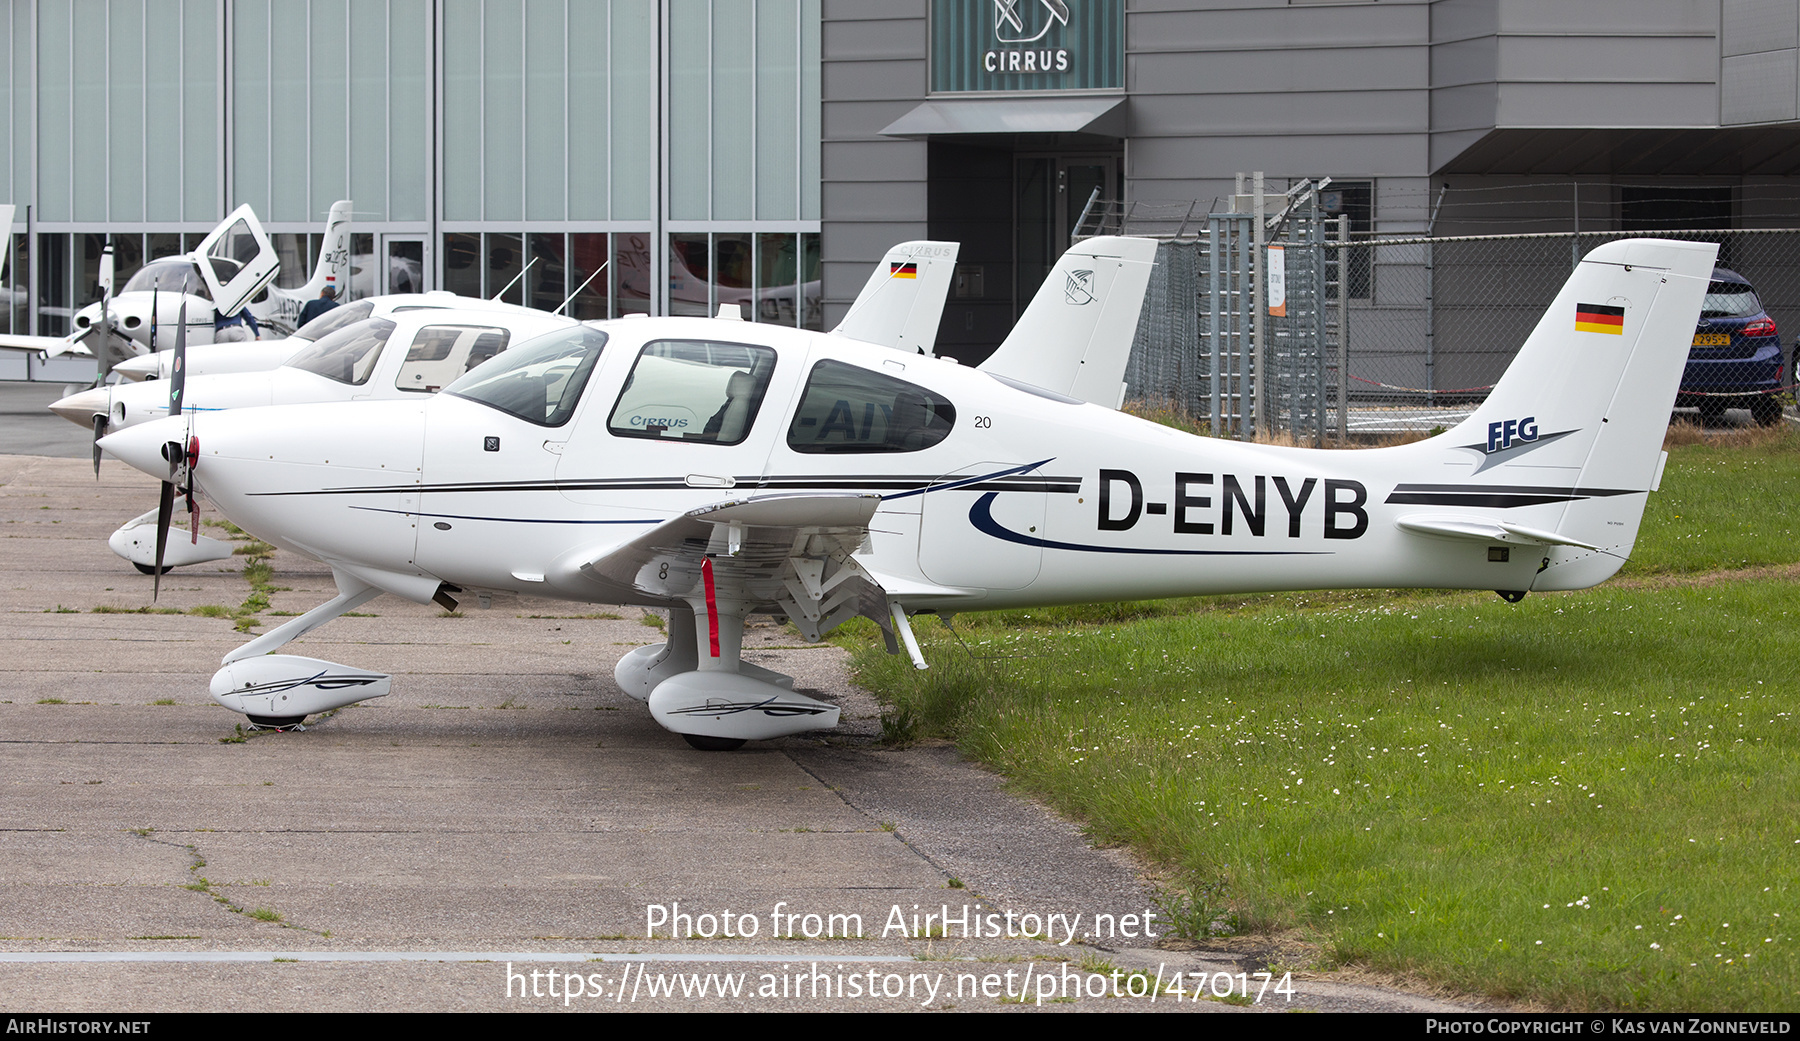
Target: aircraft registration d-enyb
231, 269
721, 469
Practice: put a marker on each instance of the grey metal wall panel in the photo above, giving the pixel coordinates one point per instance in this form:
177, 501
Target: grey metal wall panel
1608, 104
1283, 29
1748, 26
1253, 115
875, 161
1597, 59
1646, 17
1342, 156
874, 40
1447, 146
853, 120
873, 80
1327, 69
872, 190
870, 201
1758, 88
1464, 108
872, 10
1465, 61
1461, 19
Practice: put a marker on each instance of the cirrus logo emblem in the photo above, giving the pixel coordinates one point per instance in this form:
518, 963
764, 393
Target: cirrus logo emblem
1009, 22
1079, 288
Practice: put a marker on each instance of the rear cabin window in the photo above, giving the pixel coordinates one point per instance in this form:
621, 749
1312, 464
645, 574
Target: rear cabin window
440, 354
848, 409
693, 390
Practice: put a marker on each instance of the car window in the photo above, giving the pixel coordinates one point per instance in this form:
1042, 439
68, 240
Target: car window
440, 354
849, 409
1730, 300
540, 380
693, 390
347, 355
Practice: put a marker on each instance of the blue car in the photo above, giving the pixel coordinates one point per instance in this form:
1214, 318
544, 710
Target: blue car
1735, 361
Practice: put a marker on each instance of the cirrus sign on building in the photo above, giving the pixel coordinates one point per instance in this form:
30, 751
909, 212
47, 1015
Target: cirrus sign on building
1007, 45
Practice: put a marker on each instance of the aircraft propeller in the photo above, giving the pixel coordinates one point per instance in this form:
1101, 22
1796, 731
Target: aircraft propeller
181, 455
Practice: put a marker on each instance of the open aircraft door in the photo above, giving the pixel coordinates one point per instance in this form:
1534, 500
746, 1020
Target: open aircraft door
237, 261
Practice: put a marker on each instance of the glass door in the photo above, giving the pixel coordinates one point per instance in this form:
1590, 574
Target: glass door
405, 265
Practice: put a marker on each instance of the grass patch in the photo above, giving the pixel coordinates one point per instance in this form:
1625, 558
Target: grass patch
1726, 502
1413, 782
1582, 800
109, 609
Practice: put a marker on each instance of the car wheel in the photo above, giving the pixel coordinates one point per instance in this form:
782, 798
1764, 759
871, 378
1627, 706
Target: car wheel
1766, 410
1712, 412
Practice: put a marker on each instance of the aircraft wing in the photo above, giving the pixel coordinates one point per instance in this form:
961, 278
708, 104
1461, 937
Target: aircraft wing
49, 346
786, 553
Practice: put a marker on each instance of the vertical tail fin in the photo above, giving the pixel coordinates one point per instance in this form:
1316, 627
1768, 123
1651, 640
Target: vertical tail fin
1075, 338
333, 268
901, 304
1570, 439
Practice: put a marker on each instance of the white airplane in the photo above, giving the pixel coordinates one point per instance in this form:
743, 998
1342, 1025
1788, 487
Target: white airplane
231, 269
408, 354
722, 469
404, 344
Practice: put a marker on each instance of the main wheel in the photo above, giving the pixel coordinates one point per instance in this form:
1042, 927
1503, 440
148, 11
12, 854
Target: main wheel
1766, 410
713, 744
149, 569
276, 722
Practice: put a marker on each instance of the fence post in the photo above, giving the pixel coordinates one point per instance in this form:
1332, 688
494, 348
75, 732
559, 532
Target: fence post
1343, 389
1265, 415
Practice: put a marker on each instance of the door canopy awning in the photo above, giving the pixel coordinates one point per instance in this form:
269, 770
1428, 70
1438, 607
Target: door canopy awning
1084, 114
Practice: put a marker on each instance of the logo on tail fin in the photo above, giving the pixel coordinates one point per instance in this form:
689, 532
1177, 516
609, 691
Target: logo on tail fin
1079, 289
1510, 438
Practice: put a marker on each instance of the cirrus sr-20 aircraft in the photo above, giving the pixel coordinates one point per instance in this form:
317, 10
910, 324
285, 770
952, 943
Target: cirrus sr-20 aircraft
722, 469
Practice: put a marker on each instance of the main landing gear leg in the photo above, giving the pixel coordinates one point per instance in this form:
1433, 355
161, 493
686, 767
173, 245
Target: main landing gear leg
280, 690
721, 701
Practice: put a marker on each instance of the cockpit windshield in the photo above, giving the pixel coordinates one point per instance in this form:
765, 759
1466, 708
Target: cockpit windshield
174, 275
540, 380
347, 355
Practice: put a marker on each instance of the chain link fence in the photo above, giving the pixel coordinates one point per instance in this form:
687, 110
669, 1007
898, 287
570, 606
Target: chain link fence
1377, 336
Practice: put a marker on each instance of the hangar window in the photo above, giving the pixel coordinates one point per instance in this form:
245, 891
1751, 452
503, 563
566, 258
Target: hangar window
693, 390
849, 409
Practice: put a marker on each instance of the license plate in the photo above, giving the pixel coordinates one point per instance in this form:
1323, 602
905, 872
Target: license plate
1712, 339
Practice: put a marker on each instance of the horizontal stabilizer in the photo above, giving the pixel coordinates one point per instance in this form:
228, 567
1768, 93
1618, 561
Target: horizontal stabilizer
1482, 529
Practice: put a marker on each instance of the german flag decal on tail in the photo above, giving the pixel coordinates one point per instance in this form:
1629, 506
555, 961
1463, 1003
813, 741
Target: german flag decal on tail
909, 271
1599, 318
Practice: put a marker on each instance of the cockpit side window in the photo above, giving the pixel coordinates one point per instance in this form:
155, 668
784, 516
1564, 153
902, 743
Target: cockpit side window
850, 409
539, 381
348, 355
693, 390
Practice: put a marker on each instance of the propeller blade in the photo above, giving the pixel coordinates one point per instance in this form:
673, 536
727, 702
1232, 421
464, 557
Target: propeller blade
178, 372
100, 424
165, 511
